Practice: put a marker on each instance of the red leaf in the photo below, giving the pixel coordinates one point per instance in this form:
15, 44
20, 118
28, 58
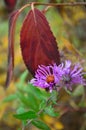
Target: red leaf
10, 4
38, 44
12, 23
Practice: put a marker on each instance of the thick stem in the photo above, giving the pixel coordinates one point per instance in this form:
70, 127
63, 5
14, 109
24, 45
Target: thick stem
57, 4
54, 4
61, 4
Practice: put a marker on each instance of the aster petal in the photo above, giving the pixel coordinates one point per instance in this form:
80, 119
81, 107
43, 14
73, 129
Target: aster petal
72, 74
67, 64
61, 65
41, 77
40, 72
75, 68
64, 74
32, 80
78, 72
78, 80
45, 69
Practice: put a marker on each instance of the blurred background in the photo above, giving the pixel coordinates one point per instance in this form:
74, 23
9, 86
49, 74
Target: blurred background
68, 23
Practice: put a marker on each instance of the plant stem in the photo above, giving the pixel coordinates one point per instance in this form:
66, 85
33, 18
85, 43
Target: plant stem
54, 4
60, 4
45, 106
29, 121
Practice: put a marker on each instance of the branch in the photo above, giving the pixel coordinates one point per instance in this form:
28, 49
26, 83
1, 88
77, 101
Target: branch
54, 4
61, 4
58, 4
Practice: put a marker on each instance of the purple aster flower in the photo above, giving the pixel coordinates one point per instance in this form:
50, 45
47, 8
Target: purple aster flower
55, 77
72, 75
47, 77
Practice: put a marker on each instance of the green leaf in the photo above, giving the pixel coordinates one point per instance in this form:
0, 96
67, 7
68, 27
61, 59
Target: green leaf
50, 111
21, 84
23, 99
33, 102
40, 94
54, 97
23, 76
28, 100
10, 98
42, 104
24, 122
26, 115
20, 110
41, 125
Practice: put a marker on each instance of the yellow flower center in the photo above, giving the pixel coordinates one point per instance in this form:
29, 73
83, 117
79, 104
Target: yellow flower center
50, 79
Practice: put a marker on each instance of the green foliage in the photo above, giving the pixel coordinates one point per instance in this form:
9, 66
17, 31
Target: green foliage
42, 104
26, 115
33, 103
40, 125
20, 110
51, 112
10, 98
